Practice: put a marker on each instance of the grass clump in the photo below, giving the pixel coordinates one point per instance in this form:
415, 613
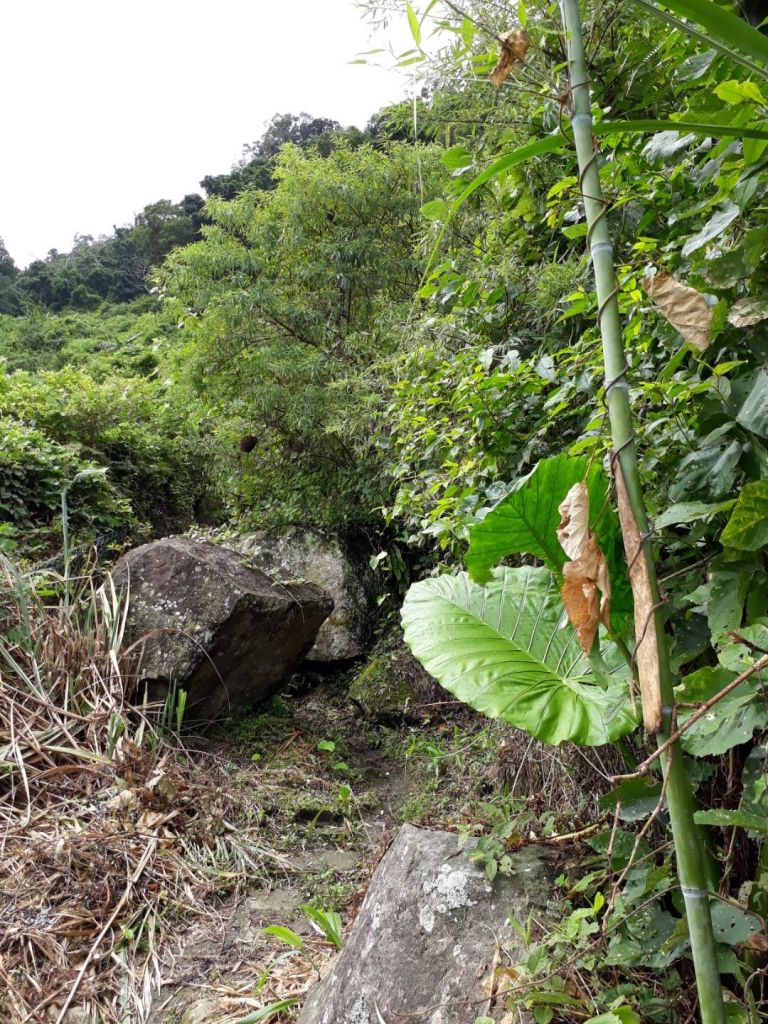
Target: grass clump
109, 828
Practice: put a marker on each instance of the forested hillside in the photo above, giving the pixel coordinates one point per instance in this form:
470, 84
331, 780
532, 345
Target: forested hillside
397, 328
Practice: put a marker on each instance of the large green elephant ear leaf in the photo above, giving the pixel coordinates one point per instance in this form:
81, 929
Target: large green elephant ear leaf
507, 650
525, 521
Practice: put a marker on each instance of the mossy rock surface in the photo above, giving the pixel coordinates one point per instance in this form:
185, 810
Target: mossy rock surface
392, 685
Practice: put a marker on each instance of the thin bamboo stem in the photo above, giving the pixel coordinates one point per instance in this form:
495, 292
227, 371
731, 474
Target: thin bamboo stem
690, 855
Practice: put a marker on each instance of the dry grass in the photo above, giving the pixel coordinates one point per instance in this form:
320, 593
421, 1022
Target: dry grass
107, 829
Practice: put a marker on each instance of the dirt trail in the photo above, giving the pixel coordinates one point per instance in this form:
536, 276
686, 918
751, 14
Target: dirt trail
329, 789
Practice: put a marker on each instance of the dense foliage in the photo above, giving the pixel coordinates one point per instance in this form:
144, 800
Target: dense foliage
398, 326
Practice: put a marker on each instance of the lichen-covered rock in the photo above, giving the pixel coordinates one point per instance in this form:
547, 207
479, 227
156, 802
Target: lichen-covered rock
423, 945
216, 627
335, 562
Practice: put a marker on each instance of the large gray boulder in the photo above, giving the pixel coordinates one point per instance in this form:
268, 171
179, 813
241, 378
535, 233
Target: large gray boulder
423, 946
214, 626
336, 563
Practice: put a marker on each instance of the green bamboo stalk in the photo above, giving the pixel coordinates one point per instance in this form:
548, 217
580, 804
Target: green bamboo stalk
689, 852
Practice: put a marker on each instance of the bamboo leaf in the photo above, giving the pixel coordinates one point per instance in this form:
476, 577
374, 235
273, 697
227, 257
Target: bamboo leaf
705, 129
551, 144
725, 37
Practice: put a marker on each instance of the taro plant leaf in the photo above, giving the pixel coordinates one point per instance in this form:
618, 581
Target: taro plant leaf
729, 722
507, 651
747, 529
526, 519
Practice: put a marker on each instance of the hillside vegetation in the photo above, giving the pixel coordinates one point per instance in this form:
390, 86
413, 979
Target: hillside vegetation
396, 327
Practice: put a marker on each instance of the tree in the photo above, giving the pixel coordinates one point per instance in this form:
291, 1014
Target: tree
287, 301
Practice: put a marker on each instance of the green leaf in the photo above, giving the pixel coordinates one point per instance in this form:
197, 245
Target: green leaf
457, 158
263, 1014
723, 30
525, 521
507, 650
707, 130
435, 209
747, 529
714, 227
285, 935
551, 144
736, 92
733, 819
638, 797
690, 512
413, 23
749, 399
729, 722
731, 924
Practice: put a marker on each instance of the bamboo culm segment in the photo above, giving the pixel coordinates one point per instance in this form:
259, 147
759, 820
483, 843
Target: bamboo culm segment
690, 854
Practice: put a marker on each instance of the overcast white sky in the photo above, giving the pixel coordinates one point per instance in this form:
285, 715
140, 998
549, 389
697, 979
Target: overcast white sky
112, 104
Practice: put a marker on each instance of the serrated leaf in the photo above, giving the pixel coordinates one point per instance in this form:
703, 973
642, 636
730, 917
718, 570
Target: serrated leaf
506, 650
747, 529
714, 227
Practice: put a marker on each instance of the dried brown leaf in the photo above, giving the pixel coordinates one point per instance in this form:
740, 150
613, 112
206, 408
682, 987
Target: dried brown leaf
513, 48
686, 309
587, 572
646, 647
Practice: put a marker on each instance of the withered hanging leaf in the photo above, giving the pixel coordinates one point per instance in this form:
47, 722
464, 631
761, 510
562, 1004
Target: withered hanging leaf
587, 573
686, 309
513, 48
646, 648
